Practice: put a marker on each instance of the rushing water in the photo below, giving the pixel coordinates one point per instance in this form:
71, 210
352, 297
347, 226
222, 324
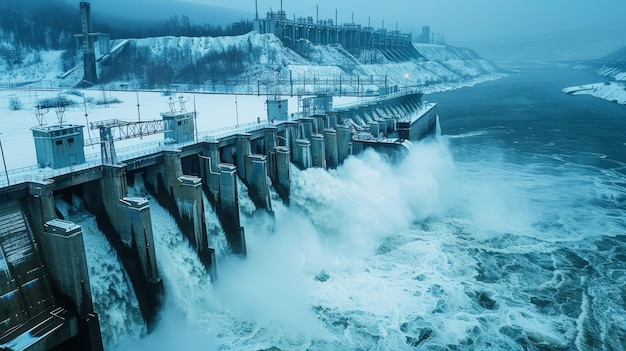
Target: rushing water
112, 293
507, 233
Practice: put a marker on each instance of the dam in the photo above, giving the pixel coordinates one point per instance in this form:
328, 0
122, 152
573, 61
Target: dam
46, 295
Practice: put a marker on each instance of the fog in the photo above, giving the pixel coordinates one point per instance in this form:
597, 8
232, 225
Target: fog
496, 29
533, 29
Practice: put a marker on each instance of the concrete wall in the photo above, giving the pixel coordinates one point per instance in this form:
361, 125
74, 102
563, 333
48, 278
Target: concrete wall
330, 145
242, 150
182, 196
228, 209
424, 125
318, 151
302, 153
51, 302
24, 283
127, 225
282, 173
64, 250
209, 171
344, 142
257, 179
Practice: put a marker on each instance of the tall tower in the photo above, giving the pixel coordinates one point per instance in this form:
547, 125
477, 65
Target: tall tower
425, 35
89, 55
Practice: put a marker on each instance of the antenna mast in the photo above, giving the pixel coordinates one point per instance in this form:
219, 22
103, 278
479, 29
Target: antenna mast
182, 103
40, 113
172, 105
60, 109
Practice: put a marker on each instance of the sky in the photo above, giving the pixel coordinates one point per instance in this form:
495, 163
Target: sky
566, 27
542, 28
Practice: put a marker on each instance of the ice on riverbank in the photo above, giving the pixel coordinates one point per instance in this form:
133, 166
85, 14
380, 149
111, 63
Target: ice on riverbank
610, 91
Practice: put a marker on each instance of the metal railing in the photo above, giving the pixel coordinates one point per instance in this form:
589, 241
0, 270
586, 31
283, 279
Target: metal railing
34, 173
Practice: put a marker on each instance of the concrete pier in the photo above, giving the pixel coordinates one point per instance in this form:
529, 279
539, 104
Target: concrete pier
344, 142
257, 180
190, 204
127, 224
139, 237
281, 179
374, 129
222, 192
305, 127
182, 196
302, 154
330, 144
209, 171
228, 209
242, 150
64, 249
318, 151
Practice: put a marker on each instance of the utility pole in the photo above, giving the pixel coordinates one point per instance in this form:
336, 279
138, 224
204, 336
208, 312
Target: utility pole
237, 109
138, 110
195, 115
6, 171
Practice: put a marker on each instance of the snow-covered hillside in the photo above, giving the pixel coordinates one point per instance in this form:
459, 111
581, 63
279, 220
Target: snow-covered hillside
610, 91
243, 63
612, 66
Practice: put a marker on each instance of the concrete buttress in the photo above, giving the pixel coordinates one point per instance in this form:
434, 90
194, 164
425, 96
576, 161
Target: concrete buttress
281, 178
344, 142
257, 180
330, 143
228, 209
318, 151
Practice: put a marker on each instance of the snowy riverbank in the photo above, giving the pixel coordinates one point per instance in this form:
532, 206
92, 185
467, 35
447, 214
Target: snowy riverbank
610, 91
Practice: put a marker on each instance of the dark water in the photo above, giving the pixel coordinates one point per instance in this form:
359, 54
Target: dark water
529, 116
546, 171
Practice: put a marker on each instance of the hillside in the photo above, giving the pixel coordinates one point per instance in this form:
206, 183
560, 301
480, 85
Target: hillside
252, 62
612, 66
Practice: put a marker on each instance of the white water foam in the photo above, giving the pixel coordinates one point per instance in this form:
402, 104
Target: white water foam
217, 237
426, 253
114, 298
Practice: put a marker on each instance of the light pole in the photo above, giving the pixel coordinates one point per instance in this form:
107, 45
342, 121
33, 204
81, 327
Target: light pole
406, 81
6, 171
236, 111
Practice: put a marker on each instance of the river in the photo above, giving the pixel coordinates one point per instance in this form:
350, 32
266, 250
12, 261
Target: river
506, 233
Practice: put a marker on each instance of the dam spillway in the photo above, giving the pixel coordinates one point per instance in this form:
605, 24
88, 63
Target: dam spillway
182, 176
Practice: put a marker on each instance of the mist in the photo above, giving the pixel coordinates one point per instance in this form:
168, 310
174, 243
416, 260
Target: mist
559, 29
534, 29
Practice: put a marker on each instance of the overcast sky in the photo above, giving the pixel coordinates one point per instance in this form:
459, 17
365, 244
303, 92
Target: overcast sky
586, 28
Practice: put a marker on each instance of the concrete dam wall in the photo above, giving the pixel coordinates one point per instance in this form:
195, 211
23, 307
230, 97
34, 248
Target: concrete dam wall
43, 270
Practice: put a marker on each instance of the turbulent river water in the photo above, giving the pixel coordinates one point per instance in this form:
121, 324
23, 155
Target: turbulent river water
505, 233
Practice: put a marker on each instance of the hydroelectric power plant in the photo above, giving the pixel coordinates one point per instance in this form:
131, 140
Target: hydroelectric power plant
46, 292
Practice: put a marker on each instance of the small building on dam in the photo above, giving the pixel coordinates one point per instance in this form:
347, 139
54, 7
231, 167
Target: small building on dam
45, 291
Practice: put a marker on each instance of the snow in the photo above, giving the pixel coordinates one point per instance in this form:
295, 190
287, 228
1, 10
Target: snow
610, 91
269, 60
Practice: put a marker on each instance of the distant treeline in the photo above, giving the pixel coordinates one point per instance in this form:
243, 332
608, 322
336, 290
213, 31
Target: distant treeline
176, 65
25, 30
178, 26
28, 26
